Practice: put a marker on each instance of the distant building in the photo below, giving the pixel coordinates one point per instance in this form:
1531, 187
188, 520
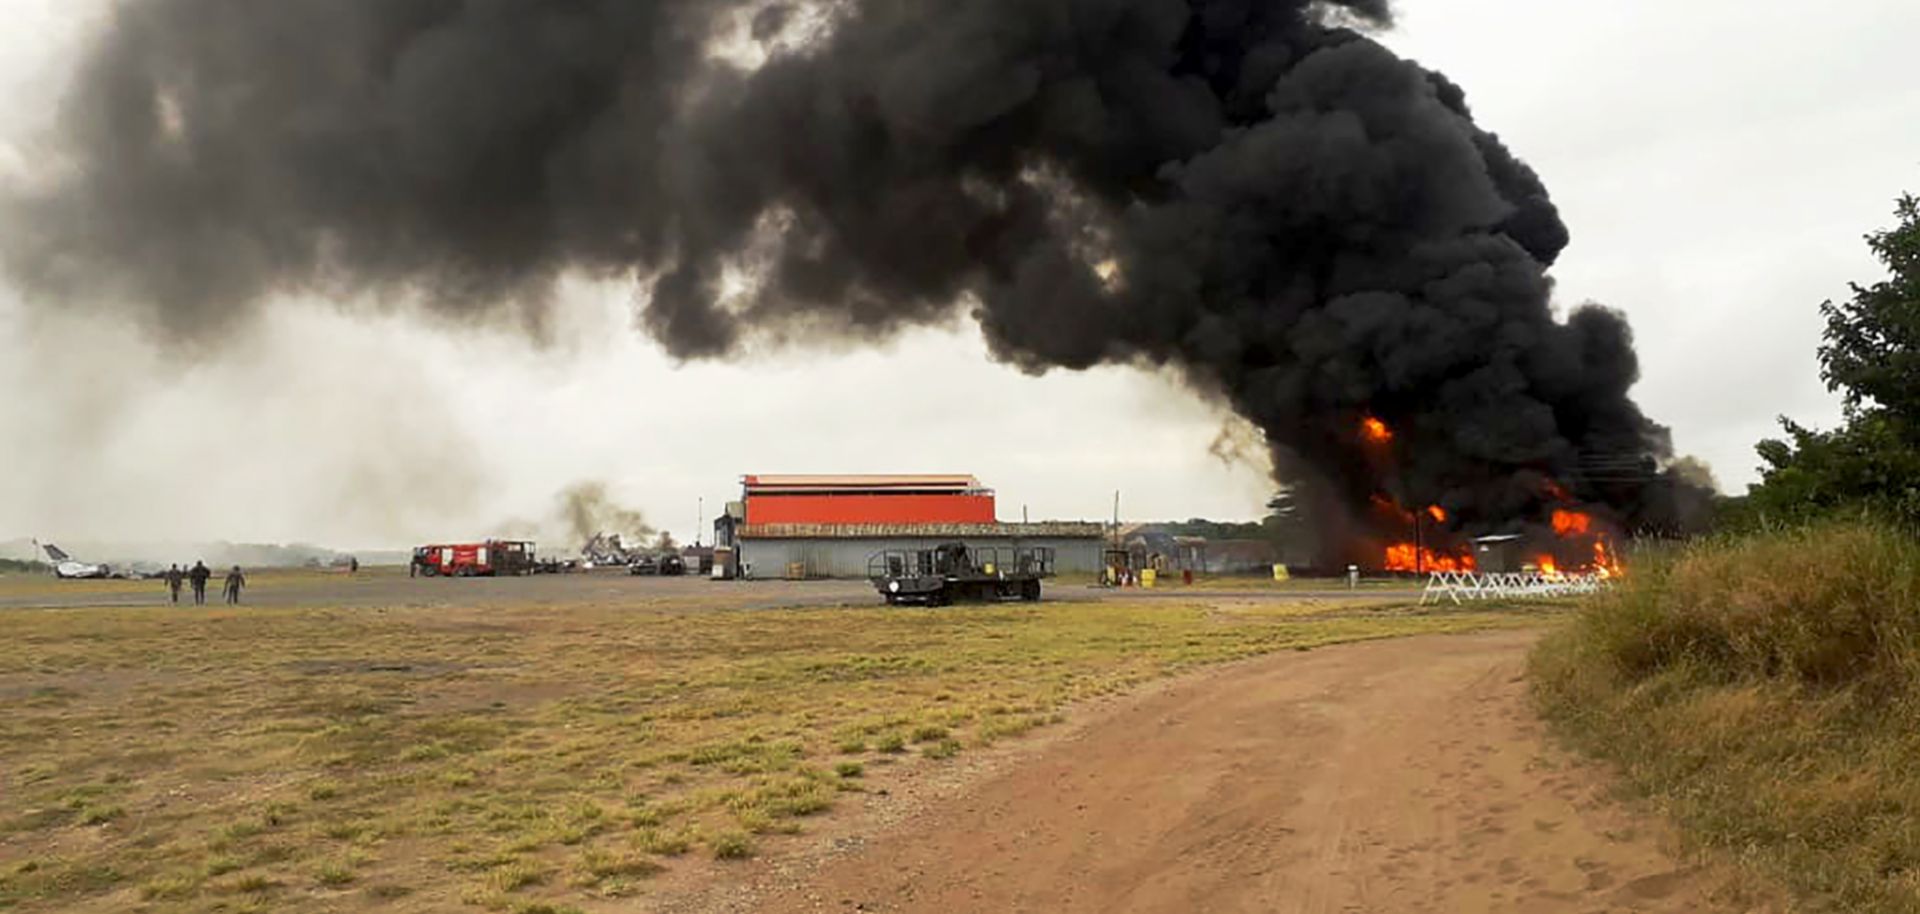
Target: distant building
830, 526
1154, 546
1241, 557
1157, 546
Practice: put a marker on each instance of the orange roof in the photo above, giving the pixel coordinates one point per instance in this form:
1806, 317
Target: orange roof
799, 482
1045, 529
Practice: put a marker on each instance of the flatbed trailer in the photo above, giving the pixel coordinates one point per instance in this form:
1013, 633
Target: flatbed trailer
952, 573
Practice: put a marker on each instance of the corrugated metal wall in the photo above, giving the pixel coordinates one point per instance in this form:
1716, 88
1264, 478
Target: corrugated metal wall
847, 558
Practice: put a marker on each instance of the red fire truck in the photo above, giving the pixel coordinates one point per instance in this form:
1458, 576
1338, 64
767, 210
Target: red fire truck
467, 560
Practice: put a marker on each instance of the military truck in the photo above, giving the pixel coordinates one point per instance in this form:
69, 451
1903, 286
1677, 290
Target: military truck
951, 573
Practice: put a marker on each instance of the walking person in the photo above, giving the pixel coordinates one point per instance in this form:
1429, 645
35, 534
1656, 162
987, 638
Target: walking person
198, 576
235, 581
174, 578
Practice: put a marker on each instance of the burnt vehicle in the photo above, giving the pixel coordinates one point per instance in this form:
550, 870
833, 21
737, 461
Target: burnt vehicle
951, 573
666, 564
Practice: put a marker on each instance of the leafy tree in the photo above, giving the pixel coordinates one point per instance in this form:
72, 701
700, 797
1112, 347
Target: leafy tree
1870, 354
1286, 525
1868, 463
1872, 351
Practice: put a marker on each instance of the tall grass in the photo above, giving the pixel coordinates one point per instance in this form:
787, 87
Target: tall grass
1765, 691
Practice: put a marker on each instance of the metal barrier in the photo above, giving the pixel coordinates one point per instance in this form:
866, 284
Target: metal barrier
1467, 585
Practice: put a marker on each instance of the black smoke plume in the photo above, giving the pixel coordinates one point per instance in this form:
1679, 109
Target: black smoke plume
1255, 193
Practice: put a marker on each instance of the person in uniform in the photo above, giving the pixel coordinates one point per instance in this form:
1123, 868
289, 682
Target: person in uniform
199, 576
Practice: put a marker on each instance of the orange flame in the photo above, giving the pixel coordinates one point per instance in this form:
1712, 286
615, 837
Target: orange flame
1375, 431
1408, 557
1604, 563
1572, 523
1438, 514
1548, 566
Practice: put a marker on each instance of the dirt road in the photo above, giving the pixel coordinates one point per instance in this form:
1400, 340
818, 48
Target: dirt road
1393, 776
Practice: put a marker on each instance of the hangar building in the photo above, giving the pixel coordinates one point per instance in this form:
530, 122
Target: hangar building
829, 526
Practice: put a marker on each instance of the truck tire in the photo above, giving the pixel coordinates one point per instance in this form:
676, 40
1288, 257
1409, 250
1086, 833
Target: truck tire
1030, 591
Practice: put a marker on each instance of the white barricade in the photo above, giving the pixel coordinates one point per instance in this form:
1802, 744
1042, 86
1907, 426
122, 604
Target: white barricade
1467, 585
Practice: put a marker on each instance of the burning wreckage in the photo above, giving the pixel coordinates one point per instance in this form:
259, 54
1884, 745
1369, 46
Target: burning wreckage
610, 550
1572, 539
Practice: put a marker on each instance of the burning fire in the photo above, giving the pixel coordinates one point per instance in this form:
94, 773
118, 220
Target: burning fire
1375, 431
1571, 523
1413, 556
1604, 564
1408, 557
1433, 547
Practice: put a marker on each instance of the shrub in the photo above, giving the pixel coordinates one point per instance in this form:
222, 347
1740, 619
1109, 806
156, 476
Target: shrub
1767, 690
1827, 605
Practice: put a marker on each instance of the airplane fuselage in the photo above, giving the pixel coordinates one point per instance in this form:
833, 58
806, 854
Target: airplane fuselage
80, 571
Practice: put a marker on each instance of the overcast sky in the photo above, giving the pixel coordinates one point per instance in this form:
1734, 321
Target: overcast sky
1717, 162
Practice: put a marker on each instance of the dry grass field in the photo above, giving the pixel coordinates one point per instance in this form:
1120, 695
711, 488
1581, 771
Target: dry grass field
1764, 692
541, 756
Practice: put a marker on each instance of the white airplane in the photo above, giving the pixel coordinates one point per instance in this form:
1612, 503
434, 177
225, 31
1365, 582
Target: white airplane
66, 568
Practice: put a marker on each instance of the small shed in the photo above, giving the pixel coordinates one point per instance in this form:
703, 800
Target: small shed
1498, 554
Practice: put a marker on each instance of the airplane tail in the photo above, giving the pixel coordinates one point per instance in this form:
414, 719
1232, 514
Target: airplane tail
56, 553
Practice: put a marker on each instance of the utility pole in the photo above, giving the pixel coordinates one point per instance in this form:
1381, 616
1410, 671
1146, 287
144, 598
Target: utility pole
1419, 545
699, 517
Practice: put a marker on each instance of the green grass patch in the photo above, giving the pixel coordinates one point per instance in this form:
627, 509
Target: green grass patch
334, 874
731, 845
663, 843
944, 749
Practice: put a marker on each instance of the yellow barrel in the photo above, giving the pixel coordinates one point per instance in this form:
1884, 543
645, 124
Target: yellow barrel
1279, 572
1147, 577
